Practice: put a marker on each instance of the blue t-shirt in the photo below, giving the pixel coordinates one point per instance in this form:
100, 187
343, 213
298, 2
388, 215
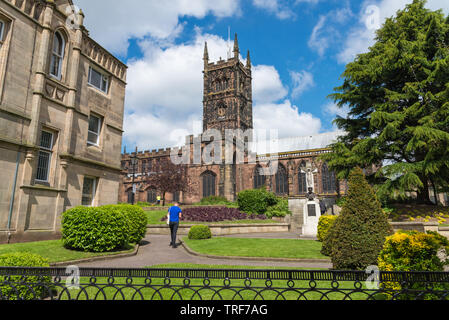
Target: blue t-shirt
174, 214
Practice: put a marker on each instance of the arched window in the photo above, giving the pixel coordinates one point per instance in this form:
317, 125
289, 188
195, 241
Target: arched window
151, 196
57, 55
208, 184
328, 180
281, 181
259, 178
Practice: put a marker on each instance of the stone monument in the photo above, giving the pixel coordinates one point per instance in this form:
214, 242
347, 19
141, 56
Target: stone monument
311, 214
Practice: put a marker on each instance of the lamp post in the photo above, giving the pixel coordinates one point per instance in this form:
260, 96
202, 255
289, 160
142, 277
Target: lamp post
134, 161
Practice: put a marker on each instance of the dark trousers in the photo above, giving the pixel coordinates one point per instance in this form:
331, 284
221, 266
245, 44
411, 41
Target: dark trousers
173, 230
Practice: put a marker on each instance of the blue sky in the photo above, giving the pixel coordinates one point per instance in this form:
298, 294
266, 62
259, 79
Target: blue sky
299, 49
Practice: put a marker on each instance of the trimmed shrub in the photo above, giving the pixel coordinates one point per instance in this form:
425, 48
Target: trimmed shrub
256, 201
95, 229
414, 251
137, 220
358, 234
200, 232
324, 224
280, 209
32, 287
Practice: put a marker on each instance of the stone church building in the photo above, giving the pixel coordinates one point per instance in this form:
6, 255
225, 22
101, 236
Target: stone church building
227, 104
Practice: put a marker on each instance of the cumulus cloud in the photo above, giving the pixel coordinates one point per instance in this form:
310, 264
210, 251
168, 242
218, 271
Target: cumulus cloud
286, 118
267, 85
165, 93
114, 23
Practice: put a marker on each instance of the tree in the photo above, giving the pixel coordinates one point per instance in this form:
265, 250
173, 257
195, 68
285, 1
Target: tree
168, 177
398, 97
356, 238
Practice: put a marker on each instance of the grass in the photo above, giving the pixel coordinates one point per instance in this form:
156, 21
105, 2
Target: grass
176, 289
54, 251
258, 248
154, 218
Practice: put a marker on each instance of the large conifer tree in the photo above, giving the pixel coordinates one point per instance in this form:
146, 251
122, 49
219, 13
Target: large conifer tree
398, 96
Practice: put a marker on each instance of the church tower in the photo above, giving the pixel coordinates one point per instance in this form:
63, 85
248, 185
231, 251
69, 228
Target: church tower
227, 102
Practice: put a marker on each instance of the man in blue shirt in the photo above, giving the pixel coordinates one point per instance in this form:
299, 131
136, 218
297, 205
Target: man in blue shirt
175, 213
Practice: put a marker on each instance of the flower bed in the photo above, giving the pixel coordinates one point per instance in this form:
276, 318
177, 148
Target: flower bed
216, 214
420, 213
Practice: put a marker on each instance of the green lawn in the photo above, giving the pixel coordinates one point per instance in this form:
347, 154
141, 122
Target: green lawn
154, 218
266, 248
54, 251
175, 289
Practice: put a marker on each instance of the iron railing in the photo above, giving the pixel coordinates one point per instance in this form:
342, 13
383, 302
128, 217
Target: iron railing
218, 284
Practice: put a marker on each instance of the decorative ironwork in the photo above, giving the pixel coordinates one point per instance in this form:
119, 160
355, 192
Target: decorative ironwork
218, 284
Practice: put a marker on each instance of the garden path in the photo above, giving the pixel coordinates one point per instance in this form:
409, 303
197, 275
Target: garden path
155, 250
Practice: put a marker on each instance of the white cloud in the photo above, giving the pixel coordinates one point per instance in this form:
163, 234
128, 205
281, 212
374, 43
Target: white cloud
326, 32
165, 93
267, 85
302, 81
276, 7
113, 23
286, 118
332, 109
361, 37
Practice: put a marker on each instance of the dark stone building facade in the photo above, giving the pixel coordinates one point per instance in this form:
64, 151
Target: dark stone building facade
227, 104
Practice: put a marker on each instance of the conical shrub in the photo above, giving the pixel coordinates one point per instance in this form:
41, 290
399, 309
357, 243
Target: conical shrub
358, 235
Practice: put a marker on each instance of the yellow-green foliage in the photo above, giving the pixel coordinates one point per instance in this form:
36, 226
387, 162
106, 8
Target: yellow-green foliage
414, 251
324, 225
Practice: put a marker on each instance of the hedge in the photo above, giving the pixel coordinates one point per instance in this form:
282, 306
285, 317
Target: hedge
200, 232
95, 229
137, 219
27, 289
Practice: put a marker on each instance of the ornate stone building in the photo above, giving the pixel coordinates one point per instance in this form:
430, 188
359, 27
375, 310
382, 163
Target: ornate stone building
61, 117
227, 104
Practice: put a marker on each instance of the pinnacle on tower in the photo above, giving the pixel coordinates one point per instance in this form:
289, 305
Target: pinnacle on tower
248, 61
206, 55
236, 47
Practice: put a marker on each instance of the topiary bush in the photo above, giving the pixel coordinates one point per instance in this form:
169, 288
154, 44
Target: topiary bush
95, 229
30, 288
324, 225
358, 234
137, 220
200, 232
256, 201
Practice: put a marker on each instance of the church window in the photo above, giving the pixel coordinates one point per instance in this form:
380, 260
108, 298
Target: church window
328, 180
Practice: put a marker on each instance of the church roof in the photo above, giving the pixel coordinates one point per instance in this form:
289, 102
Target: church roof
313, 142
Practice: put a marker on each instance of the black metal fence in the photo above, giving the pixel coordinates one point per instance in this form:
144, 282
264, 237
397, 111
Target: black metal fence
218, 284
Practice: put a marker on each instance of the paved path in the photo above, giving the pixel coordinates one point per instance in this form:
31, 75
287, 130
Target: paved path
155, 251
